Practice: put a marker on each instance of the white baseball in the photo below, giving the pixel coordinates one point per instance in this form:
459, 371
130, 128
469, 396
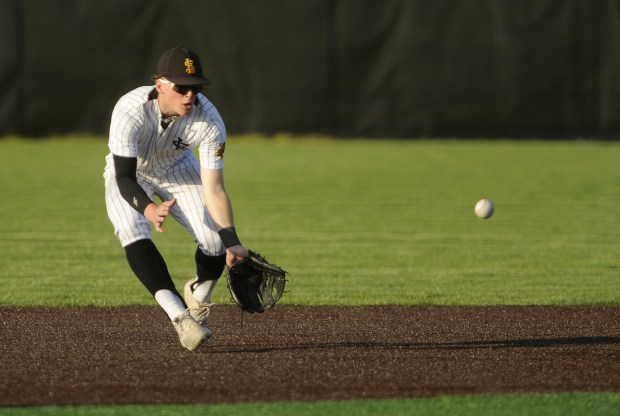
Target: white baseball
484, 208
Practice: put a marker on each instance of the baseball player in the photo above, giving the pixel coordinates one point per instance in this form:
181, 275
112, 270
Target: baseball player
153, 132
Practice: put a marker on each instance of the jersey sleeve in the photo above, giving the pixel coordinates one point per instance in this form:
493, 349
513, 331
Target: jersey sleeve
127, 120
211, 148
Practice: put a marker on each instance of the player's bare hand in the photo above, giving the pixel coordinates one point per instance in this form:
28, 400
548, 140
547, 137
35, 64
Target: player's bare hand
235, 253
157, 214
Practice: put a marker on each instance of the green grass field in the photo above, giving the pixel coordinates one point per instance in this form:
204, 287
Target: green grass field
353, 221
567, 404
390, 221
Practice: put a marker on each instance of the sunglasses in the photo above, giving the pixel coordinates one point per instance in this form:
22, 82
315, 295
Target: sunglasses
182, 89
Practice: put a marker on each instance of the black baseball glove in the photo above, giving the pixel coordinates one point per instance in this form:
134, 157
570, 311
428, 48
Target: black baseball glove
254, 283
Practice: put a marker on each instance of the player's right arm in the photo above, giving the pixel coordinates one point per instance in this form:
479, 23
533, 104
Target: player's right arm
135, 196
126, 125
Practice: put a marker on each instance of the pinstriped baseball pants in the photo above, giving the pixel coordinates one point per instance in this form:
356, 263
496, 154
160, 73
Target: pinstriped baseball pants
181, 181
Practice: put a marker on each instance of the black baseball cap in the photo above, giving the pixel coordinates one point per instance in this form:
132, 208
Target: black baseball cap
181, 66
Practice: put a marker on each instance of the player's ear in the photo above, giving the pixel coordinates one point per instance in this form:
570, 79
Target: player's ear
159, 86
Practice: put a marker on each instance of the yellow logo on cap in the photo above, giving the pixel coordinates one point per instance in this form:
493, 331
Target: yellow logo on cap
189, 66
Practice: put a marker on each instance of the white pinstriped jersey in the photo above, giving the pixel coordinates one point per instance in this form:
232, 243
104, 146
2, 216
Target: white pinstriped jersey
136, 131
166, 164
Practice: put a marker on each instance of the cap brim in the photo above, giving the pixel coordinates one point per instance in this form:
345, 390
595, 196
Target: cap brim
189, 80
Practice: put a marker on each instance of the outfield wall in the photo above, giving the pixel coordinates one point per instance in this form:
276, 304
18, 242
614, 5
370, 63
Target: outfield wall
378, 68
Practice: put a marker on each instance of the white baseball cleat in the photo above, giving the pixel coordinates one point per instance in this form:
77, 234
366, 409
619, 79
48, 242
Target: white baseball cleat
191, 334
199, 311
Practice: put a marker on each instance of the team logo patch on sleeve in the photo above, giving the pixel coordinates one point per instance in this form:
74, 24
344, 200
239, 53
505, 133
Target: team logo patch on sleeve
219, 152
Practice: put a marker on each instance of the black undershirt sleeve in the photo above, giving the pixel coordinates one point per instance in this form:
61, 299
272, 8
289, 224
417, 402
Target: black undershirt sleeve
131, 191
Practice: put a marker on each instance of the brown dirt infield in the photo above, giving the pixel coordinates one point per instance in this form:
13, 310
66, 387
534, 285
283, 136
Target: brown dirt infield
93, 355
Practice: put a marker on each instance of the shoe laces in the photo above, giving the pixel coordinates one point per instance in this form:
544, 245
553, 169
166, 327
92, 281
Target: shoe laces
202, 311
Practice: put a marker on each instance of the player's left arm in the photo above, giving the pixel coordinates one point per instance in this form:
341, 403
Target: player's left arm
219, 206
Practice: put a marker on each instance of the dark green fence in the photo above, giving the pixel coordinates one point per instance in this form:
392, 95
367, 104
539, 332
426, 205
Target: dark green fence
380, 68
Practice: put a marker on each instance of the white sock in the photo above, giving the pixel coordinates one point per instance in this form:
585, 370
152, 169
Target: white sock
170, 303
204, 291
